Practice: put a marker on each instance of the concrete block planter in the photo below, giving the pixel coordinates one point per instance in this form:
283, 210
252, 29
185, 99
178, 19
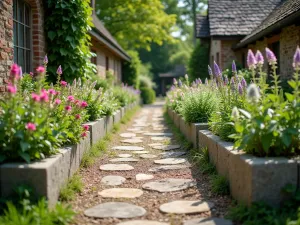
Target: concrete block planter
251, 178
170, 113
176, 120
97, 130
108, 123
185, 128
117, 117
195, 127
122, 112
47, 176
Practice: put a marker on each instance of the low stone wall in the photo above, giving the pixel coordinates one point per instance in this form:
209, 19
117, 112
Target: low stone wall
251, 178
48, 176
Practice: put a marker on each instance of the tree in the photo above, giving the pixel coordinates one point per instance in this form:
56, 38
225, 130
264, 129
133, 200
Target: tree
131, 70
136, 23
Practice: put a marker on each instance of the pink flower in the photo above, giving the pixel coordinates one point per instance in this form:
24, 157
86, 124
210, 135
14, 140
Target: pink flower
35, 97
11, 88
83, 104
44, 96
52, 92
59, 70
84, 134
70, 98
68, 108
271, 56
57, 101
15, 71
40, 69
63, 83
31, 74
30, 126
77, 116
251, 60
86, 127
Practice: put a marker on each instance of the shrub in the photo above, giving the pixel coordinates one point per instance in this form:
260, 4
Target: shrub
131, 70
147, 95
125, 95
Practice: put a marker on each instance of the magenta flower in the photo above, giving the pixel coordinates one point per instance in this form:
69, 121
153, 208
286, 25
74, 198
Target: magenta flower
40, 69
35, 97
244, 83
86, 127
63, 83
210, 73
259, 58
77, 116
251, 60
52, 92
68, 108
30, 126
296, 63
217, 70
31, 74
44, 96
46, 60
59, 70
12, 89
84, 134
57, 101
71, 98
83, 104
240, 89
271, 56
15, 72
233, 67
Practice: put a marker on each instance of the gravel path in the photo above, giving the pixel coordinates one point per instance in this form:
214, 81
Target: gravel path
186, 190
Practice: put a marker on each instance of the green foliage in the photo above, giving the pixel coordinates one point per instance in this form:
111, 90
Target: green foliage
131, 70
73, 186
200, 157
27, 83
199, 61
220, 185
68, 40
148, 95
125, 95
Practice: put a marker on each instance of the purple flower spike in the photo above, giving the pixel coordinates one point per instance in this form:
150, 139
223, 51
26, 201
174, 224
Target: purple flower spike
296, 63
179, 83
232, 81
217, 70
226, 80
197, 81
175, 81
59, 70
210, 71
200, 81
46, 60
259, 58
233, 67
206, 81
240, 89
244, 83
251, 60
271, 56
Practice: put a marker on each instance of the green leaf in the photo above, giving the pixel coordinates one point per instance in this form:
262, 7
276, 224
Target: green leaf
2, 158
245, 113
292, 83
63, 51
24, 146
289, 97
266, 141
51, 35
25, 156
286, 138
74, 28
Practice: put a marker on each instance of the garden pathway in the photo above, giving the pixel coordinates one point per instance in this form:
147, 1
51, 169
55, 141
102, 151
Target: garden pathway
146, 179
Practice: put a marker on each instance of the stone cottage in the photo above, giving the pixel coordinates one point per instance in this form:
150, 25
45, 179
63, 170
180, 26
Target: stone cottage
232, 27
22, 40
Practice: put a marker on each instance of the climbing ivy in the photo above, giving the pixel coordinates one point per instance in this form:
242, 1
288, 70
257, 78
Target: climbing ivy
67, 24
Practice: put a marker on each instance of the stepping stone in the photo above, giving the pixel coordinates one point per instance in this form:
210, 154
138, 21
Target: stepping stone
120, 210
158, 134
160, 138
113, 180
169, 185
159, 129
172, 154
128, 148
166, 147
148, 156
142, 176
137, 138
132, 141
121, 193
208, 221
141, 152
139, 132
140, 125
142, 222
186, 207
124, 155
127, 135
167, 167
116, 167
124, 160
155, 144
170, 161
134, 129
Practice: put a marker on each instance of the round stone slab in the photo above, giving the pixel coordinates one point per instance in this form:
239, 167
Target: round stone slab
128, 135
142, 176
186, 207
142, 222
158, 134
172, 154
155, 144
208, 221
116, 167
124, 160
166, 147
113, 180
141, 152
124, 155
169, 185
115, 210
148, 156
167, 167
132, 141
128, 148
160, 138
134, 129
170, 161
121, 193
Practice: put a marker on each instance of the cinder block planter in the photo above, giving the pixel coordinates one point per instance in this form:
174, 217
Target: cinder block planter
108, 123
251, 178
195, 127
176, 120
97, 130
170, 113
47, 176
117, 117
122, 112
185, 129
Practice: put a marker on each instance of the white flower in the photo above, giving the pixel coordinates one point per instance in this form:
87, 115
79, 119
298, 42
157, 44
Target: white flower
235, 113
253, 93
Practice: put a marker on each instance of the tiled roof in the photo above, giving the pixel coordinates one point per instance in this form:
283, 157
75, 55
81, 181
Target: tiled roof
237, 17
104, 33
284, 10
202, 26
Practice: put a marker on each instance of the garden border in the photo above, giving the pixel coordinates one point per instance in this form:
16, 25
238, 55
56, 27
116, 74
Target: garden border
48, 176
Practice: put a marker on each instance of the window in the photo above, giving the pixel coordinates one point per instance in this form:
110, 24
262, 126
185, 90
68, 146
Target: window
106, 63
22, 34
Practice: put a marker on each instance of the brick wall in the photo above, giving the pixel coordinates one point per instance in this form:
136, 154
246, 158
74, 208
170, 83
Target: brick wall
227, 54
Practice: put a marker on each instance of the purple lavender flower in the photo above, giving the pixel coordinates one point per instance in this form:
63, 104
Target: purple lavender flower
240, 89
200, 81
271, 56
232, 81
251, 60
217, 70
233, 67
179, 83
206, 81
296, 63
59, 70
259, 58
175, 81
244, 83
197, 81
45, 60
210, 71
226, 80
